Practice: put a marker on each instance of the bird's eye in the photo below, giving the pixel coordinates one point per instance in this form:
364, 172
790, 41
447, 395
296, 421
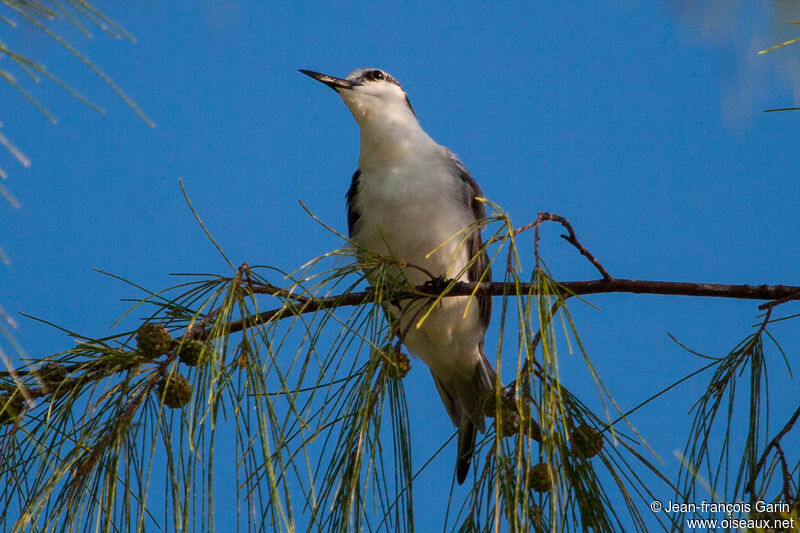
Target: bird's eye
376, 75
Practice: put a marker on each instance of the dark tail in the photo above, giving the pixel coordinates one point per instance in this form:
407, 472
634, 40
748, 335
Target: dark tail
482, 382
466, 447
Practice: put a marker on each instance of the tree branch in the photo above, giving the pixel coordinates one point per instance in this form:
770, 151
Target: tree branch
569, 288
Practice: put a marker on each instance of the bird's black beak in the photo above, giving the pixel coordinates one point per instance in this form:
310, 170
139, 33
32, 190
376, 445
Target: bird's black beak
330, 81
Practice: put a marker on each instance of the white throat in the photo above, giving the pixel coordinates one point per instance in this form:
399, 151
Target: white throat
390, 136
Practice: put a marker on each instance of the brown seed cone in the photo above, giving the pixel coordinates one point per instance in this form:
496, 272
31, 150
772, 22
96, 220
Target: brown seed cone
399, 368
509, 420
586, 441
540, 477
534, 430
153, 339
175, 391
10, 408
508, 424
190, 352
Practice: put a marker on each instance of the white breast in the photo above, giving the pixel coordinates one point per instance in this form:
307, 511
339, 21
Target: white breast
411, 204
409, 210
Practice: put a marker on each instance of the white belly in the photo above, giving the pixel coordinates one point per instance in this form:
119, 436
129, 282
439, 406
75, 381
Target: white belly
420, 217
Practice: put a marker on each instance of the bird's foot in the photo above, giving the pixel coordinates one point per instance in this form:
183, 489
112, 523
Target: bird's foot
437, 284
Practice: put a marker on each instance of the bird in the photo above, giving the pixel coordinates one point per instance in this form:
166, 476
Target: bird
412, 199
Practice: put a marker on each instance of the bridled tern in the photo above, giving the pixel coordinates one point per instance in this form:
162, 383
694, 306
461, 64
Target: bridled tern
412, 198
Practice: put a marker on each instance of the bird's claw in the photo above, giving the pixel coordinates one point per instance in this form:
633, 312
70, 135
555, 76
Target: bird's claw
436, 284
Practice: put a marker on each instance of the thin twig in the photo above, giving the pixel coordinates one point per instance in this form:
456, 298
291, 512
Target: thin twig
774, 443
787, 477
764, 323
570, 238
779, 301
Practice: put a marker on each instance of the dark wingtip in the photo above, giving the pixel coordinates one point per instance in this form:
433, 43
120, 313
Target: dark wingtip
466, 447
462, 469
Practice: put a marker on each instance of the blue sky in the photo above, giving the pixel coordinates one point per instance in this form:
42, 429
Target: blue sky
640, 122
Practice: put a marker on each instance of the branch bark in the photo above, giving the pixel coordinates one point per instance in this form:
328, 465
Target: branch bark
574, 288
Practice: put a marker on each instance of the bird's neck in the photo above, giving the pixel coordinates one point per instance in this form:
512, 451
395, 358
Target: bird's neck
388, 144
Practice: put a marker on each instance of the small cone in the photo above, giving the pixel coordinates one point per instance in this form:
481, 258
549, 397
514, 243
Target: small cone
540, 477
10, 408
190, 352
175, 391
153, 340
399, 368
586, 441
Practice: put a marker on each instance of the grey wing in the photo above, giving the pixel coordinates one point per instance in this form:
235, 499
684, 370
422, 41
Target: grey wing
480, 267
352, 212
